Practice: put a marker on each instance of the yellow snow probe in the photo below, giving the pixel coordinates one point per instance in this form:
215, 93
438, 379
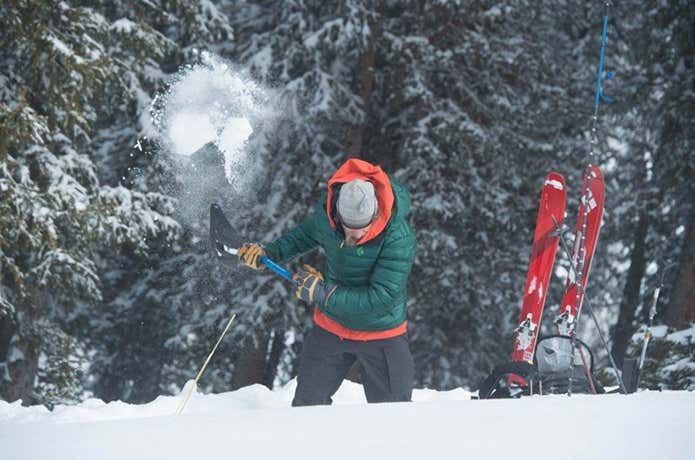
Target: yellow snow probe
192, 386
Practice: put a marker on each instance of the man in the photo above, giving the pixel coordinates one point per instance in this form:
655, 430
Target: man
360, 300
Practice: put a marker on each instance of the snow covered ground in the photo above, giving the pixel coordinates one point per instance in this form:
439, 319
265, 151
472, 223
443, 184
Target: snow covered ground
254, 422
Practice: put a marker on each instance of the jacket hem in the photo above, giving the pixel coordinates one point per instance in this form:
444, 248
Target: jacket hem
332, 326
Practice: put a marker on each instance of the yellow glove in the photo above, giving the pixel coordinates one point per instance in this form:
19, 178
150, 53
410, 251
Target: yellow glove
313, 271
251, 254
311, 286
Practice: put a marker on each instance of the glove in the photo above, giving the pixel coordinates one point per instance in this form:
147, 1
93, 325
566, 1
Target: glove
251, 254
311, 286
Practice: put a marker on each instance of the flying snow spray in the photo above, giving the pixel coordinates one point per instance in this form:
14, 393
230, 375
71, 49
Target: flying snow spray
210, 103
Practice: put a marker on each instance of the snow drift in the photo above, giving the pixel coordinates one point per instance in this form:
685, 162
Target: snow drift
254, 422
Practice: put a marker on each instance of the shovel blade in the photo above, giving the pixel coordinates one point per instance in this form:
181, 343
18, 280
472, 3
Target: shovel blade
223, 239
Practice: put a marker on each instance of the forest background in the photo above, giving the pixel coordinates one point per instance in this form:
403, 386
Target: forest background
107, 288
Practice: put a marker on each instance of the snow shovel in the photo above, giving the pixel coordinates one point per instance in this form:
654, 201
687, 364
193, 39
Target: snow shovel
192, 385
224, 242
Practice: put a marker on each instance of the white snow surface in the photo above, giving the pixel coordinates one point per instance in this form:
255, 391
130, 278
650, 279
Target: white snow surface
255, 422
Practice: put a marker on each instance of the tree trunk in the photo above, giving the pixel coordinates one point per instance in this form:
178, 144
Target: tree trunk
681, 311
365, 84
271, 366
251, 365
19, 350
22, 373
624, 328
6, 332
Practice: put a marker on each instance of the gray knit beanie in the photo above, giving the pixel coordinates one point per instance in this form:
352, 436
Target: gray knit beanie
357, 204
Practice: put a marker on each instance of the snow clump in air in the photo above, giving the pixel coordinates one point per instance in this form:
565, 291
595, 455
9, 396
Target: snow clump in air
210, 102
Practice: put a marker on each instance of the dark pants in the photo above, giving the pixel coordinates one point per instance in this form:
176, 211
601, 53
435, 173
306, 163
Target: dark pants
387, 368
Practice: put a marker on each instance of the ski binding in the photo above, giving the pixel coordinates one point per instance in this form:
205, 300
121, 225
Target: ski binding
525, 333
565, 322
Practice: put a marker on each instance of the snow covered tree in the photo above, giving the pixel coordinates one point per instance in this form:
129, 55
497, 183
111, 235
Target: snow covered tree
144, 310
668, 364
658, 163
56, 215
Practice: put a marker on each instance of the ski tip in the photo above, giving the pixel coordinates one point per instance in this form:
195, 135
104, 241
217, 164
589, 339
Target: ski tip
594, 170
557, 185
555, 180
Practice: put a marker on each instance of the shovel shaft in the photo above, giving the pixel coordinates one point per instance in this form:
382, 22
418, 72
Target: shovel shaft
279, 269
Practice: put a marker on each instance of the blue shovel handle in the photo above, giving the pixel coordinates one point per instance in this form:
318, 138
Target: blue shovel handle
279, 269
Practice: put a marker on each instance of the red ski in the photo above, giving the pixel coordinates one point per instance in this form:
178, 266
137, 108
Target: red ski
586, 236
551, 213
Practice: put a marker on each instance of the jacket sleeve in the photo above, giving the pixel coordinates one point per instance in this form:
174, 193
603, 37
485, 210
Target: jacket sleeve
388, 279
303, 238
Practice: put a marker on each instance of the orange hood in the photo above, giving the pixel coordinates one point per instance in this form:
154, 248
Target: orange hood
359, 169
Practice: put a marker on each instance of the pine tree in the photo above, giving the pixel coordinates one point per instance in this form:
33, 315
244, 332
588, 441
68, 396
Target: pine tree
659, 197
56, 215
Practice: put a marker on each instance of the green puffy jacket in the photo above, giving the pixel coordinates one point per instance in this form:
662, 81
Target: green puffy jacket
371, 277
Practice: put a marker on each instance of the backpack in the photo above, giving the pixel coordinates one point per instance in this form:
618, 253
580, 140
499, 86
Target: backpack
549, 373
